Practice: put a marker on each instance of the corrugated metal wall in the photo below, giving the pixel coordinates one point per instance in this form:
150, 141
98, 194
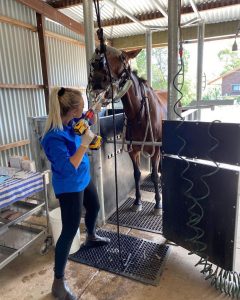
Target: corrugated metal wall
20, 64
17, 11
67, 63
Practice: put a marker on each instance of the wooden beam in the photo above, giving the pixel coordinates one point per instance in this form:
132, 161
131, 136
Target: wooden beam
35, 86
53, 14
10, 21
159, 39
7, 20
64, 3
14, 145
44, 56
63, 38
20, 86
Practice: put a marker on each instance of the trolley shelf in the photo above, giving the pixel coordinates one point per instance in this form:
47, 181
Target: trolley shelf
18, 203
15, 240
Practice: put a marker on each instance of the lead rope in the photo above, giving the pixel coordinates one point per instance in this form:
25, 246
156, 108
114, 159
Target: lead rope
149, 124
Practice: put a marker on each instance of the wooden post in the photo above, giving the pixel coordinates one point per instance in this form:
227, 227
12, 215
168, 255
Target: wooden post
43, 55
48, 11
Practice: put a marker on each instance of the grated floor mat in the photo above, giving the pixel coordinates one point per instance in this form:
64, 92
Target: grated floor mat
143, 220
142, 260
147, 185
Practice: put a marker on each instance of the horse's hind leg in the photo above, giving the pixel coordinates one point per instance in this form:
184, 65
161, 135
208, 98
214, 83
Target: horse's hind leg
155, 178
135, 157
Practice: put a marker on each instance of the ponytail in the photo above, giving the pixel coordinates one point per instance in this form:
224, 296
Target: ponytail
60, 102
54, 120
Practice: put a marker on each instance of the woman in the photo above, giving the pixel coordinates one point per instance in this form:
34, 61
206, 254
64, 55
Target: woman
71, 179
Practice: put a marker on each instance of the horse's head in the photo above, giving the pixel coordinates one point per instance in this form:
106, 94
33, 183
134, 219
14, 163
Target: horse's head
110, 72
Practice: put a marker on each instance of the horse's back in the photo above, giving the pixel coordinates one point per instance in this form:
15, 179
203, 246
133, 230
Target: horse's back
162, 97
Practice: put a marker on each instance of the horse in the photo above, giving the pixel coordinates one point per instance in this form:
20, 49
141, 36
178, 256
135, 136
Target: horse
139, 102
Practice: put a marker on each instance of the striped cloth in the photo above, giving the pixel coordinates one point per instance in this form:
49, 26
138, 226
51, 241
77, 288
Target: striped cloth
12, 190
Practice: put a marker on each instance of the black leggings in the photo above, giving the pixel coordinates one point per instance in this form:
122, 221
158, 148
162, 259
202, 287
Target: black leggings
71, 207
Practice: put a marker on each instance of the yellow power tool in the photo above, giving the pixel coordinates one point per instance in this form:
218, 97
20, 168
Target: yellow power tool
83, 124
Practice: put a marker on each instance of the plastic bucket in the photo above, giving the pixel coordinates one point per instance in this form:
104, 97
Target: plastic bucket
56, 226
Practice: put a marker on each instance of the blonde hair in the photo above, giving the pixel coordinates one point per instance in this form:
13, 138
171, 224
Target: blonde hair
59, 106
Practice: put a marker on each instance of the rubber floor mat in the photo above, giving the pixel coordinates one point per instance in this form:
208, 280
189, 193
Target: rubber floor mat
142, 260
143, 220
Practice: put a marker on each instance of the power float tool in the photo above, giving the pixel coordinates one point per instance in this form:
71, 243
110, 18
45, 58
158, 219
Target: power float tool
83, 124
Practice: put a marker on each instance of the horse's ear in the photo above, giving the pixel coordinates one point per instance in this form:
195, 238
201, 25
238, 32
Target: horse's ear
131, 54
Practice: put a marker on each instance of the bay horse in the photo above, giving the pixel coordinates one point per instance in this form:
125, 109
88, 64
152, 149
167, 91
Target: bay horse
139, 99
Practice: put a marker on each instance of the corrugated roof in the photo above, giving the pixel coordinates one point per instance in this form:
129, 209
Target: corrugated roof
228, 12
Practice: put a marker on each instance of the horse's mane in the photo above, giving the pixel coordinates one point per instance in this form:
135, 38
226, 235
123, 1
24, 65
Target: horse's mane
146, 83
140, 79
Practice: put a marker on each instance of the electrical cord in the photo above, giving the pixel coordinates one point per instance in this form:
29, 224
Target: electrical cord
178, 86
227, 282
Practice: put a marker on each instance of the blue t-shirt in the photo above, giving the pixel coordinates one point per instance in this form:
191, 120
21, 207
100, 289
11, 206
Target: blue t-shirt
59, 146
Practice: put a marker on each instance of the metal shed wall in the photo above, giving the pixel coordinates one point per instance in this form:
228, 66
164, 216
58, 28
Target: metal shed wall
20, 64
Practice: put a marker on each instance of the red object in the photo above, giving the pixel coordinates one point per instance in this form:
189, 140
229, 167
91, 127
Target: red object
181, 52
89, 114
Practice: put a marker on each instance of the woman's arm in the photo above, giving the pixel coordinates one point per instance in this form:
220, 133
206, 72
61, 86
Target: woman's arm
77, 157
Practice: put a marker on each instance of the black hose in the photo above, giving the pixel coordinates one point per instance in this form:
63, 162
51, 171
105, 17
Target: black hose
103, 50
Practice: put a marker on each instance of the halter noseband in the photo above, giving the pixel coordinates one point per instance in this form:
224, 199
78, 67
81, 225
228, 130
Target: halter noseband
121, 83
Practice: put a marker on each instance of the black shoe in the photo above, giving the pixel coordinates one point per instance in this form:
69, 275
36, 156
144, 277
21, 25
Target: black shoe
61, 290
96, 241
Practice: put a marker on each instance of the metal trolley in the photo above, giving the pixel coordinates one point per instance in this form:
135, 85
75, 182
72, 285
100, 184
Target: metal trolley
17, 233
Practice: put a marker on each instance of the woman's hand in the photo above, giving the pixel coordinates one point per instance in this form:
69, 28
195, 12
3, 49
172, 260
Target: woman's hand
77, 157
87, 138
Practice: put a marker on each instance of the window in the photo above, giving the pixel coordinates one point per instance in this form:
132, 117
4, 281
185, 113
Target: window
236, 87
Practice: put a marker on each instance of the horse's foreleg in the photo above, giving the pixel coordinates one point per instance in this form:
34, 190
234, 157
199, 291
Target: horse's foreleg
155, 178
135, 156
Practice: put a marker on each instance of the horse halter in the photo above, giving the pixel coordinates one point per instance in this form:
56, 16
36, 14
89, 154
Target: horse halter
120, 84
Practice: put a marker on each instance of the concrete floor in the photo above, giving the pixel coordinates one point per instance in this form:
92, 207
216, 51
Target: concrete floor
30, 277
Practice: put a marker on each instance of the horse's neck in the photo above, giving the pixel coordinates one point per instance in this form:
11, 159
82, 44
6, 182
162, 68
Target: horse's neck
131, 104
132, 100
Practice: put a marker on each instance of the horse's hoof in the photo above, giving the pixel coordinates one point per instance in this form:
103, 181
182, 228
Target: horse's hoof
157, 211
136, 207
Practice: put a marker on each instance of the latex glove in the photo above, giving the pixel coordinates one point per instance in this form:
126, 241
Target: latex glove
97, 107
87, 138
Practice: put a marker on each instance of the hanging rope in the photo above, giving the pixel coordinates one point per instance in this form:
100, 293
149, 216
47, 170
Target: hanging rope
149, 125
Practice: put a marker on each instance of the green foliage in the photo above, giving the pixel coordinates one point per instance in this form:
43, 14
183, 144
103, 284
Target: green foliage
187, 89
139, 63
230, 59
188, 94
160, 71
237, 99
159, 82
213, 93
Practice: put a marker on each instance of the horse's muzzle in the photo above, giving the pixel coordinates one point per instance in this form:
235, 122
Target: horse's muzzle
99, 80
